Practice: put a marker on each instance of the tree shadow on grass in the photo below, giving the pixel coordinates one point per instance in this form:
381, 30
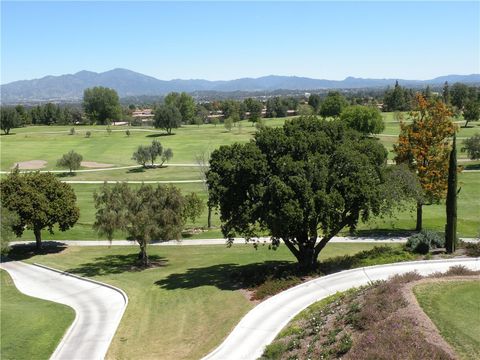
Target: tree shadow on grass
136, 170
66, 174
228, 276
26, 251
159, 135
471, 167
381, 234
116, 264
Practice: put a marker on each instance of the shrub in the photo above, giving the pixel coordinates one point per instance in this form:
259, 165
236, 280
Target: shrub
472, 249
424, 241
88, 134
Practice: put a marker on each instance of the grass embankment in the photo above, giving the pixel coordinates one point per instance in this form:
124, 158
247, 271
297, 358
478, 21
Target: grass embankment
454, 307
184, 307
373, 322
31, 328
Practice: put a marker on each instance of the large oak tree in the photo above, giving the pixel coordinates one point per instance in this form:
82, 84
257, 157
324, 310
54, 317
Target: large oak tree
309, 179
40, 201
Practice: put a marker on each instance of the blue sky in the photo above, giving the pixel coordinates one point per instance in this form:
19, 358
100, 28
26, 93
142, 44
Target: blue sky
228, 40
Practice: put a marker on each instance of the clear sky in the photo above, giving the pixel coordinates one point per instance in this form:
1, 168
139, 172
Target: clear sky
228, 40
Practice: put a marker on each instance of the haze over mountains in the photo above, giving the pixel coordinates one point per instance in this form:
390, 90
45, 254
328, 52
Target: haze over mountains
129, 83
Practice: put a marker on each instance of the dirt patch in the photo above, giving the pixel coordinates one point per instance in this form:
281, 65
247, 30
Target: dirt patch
32, 164
95, 165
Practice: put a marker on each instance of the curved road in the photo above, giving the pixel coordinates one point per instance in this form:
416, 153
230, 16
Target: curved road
260, 326
98, 307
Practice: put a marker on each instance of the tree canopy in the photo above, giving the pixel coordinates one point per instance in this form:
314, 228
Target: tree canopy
9, 119
333, 105
145, 214
71, 160
184, 103
167, 117
472, 146
312, 177
101, 105
365, 119
40, 201
424, 145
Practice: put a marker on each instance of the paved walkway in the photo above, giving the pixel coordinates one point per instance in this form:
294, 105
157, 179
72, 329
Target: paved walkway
261, 325
132, 181
237, 241
99, 308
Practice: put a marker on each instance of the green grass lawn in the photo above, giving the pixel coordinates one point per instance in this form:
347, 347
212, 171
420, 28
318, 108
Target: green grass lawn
454, 307
31, 328
49, 142
433, 216
186, 306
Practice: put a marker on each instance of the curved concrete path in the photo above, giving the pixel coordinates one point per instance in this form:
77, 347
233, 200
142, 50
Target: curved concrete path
261, 325
98, 307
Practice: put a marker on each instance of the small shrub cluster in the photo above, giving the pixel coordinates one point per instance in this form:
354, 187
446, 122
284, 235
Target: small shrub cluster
424, 241
378, 255
472, 249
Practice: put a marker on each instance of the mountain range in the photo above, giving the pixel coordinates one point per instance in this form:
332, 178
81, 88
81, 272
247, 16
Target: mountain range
70, 87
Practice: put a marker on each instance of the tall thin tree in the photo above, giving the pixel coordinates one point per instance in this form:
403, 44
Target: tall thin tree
451, 205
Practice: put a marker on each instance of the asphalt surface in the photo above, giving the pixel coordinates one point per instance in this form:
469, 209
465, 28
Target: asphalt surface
261, 325
98, 308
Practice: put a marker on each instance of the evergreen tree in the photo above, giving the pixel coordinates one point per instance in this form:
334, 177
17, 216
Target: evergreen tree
451, 206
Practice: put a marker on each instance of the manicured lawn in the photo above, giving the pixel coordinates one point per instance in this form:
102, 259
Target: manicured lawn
433, 215
31, 328
186, 306
454, 307
47, 143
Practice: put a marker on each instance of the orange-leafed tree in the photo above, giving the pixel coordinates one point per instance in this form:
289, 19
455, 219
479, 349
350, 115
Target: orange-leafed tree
424, 144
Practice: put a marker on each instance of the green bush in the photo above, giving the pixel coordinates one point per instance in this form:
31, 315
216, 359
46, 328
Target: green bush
424, 241
274, 350
472, 249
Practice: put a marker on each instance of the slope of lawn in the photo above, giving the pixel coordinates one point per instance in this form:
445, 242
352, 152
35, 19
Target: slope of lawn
31, 328
185, 306
454, 307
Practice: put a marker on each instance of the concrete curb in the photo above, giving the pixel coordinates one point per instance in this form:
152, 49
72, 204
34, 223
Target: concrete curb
67, 333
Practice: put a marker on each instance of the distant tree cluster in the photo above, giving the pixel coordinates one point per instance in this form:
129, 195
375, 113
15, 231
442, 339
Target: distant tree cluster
101, 105
398, 99
279, 106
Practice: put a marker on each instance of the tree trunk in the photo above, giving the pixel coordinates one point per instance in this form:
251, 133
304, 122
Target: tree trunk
38, 239
307, 258
209, 217
451, 208
142, 255
419, 217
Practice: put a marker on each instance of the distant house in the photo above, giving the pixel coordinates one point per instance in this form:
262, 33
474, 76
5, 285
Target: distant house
143, 114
